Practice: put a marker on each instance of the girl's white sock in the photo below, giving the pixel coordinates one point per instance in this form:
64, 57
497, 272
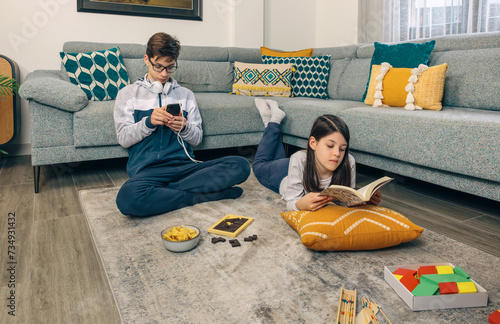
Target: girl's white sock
265, 112
277, 114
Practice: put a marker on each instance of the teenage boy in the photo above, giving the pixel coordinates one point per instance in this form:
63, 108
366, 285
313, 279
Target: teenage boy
163, 173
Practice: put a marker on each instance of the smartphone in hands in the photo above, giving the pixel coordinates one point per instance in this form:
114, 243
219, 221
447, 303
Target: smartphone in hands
174, 109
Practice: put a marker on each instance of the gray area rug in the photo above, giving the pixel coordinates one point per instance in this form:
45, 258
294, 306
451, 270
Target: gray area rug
274, 279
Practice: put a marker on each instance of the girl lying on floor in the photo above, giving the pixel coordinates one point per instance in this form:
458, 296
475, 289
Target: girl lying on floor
300, 178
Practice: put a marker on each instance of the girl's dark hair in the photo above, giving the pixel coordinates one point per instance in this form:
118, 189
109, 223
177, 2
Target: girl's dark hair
162, 44
323, 126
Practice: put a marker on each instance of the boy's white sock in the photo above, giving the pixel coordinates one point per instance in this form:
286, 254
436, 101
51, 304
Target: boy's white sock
264, 110
277, 114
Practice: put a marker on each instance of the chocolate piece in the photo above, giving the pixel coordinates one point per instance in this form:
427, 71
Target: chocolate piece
250, 238
234, 243
218, 239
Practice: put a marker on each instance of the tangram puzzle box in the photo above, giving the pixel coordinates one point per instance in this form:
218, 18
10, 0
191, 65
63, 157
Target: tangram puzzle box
420, 303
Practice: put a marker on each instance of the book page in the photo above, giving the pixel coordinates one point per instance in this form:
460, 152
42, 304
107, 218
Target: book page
343, 196
367, 191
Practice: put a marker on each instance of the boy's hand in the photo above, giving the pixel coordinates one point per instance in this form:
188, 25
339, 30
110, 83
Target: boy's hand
312, 201
160, 116
176, 123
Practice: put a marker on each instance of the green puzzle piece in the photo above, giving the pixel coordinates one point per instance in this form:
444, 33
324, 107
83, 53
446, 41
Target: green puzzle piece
459, 271
425, 289
435, 279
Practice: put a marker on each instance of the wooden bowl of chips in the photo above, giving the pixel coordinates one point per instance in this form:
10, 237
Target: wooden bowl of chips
180, 238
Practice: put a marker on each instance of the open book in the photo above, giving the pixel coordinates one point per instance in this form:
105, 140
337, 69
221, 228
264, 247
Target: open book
348, 197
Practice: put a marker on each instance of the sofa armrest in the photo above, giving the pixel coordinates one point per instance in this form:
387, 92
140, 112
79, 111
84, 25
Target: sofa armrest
52, 89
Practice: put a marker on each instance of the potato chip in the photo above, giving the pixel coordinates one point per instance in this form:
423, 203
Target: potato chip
179, 234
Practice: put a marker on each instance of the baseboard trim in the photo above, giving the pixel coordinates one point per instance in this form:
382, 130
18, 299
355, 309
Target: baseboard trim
17, 149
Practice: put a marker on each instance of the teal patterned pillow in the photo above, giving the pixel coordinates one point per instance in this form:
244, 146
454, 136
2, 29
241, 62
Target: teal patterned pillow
310, 78
100, 74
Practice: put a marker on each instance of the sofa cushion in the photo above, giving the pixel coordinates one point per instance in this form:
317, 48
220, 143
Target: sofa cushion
224, 113
262, 79
128, 50
94, 125
404, 55
310, 78
301, 113
425, 84
472, 78
248, 55
336, 228
339, 52
51, 89
136, 68
100, 74
50, 127
204, 53
430, 138
267, 51
337, 68
205, 76
353, 80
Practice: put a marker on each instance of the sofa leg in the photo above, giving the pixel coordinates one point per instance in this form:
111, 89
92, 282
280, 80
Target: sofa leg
36, 176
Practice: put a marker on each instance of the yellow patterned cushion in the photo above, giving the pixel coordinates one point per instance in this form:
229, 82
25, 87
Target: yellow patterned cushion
426, 89
269, 52
336, 228
262, 79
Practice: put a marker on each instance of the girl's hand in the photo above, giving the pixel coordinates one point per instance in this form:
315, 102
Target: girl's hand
312, 201
376, 198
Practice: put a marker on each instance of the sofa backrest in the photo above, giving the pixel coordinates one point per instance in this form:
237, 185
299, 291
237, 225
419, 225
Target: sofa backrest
471, 79
473, 75
210, 69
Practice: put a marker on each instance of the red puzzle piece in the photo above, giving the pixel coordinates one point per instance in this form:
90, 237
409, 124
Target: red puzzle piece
409, 281
424, 270
446, 288
494, 317
402, 272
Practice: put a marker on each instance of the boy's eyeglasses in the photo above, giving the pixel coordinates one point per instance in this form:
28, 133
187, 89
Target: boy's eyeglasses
159, 68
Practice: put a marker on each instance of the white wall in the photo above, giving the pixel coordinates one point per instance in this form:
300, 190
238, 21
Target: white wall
336, 23
298, 24
290, 25
33, 31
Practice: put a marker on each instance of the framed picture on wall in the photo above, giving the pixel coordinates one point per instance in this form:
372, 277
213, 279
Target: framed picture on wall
176, 9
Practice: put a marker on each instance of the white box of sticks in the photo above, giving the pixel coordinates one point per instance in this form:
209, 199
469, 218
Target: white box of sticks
420, 303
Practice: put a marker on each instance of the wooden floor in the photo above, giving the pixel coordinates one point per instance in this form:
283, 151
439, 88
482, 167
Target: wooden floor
59, 279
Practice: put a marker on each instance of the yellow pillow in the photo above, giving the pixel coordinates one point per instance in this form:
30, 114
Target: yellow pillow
269, 52
336, 228
417, 88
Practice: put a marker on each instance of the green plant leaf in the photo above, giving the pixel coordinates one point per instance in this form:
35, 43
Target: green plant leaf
8, 86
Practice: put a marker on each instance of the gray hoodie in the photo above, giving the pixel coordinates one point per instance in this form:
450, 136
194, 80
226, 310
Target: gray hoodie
150, 145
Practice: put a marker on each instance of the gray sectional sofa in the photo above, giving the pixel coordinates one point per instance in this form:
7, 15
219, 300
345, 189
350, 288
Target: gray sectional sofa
457, 147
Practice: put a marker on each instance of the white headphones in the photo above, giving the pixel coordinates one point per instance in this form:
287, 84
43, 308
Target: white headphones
157, 87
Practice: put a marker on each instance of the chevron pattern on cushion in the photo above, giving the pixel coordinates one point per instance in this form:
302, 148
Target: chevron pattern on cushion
336, 228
